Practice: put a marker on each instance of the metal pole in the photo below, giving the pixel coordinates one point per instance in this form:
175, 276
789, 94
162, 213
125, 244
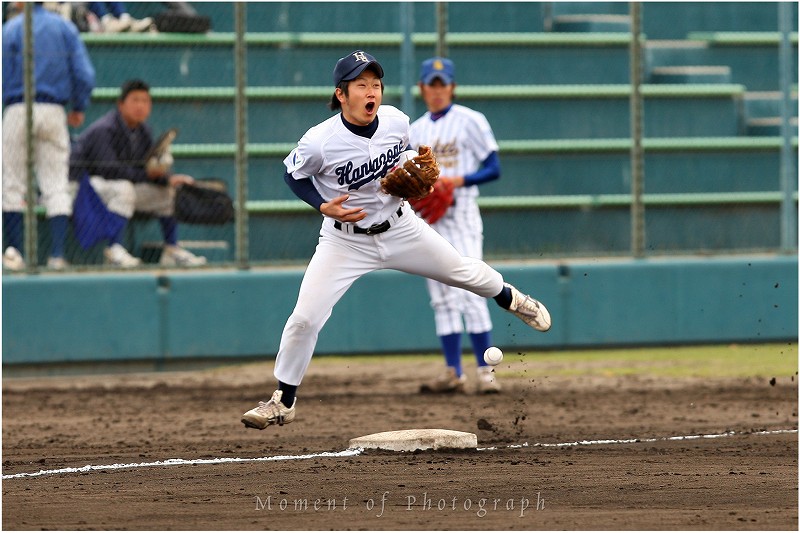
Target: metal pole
242, 219
637, 119
788, 162
31, 234
441, 29
407, 57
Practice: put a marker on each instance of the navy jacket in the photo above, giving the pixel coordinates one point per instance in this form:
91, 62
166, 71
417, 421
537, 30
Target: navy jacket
109, 148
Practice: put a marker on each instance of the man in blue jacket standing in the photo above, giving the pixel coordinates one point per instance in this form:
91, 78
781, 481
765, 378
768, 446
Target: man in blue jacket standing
63, 79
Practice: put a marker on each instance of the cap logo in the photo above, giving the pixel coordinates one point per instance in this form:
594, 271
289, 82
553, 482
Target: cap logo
360, 56
438, 65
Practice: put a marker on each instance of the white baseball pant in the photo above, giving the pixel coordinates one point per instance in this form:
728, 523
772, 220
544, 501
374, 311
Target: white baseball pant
124, 197
463, 228
410, 245
51, 158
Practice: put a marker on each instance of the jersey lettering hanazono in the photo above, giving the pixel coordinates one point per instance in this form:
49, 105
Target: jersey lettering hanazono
358, 176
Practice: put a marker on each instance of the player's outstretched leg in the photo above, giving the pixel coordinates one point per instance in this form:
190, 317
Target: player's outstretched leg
269, 413
529, 310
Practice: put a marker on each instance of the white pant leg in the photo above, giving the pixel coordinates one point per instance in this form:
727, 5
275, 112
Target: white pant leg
338, 261
418, 249
446, 308
14, 172
52, 158
158, 200
118, 195
463, 228
455, 310
124, 197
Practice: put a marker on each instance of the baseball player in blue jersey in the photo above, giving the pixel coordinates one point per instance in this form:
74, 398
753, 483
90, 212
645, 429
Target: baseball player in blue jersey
337, 168
466, 152
64, 78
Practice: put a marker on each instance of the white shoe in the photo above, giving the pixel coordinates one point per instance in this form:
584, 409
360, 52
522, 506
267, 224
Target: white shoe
269, 413
136, 25
12, 260
487, 381
446, 383
530, 311
177, 256
118, 256
112, 24
57, 263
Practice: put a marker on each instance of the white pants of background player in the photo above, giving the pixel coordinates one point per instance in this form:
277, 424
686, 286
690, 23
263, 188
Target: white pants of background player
410, 245
463, 228
124, 197
51, 158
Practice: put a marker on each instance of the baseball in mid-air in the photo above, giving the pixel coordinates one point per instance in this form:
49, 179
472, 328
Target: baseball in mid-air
493, 355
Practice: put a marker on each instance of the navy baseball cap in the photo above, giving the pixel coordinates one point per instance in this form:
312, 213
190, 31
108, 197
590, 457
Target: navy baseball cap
437, 67
350, 66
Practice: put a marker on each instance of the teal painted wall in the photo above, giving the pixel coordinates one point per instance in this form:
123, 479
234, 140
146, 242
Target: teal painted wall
153, 317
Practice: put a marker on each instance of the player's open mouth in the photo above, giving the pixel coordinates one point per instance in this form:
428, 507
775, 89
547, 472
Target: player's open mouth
370, 107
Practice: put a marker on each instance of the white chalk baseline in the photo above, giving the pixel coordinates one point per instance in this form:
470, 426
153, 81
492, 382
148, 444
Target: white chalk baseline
358, 451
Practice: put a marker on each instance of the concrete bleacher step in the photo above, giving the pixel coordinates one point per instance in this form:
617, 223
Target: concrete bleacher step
770, 126
767, 103
763, 113
551, 166
691, 74
568, 111
305, 59
663, 20
355, 16
752, 57
565, 226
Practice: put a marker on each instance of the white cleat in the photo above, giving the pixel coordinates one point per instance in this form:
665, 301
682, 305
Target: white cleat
118, 256
112, 24
269, 413
57, 263
12, 260
446, 383
137, 25
530, 311
487, 381
176, 256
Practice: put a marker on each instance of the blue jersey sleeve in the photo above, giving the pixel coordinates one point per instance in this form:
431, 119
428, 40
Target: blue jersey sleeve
489, 171
305, 190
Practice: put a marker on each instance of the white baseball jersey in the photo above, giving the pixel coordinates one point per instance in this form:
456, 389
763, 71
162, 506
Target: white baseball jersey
341, 162
461, 140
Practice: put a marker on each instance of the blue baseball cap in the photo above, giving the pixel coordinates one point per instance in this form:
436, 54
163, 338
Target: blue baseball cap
437, 67
350, 66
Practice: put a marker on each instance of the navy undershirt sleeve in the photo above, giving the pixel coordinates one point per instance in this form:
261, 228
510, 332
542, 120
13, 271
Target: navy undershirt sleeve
305, 190
490, 170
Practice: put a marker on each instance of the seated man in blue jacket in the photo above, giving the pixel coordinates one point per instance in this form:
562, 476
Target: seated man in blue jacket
113, 152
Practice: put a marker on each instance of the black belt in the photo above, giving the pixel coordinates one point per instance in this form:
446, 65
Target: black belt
41, 98
373, 229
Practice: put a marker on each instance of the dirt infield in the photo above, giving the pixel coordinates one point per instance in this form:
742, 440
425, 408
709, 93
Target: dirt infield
524, 476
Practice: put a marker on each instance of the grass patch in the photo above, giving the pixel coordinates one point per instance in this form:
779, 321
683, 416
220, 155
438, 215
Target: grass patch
720, 361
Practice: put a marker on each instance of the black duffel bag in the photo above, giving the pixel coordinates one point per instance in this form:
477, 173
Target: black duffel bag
204, 202
175, 21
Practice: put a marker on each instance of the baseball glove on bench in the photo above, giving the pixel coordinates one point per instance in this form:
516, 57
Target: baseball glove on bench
414, 178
